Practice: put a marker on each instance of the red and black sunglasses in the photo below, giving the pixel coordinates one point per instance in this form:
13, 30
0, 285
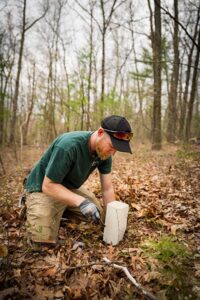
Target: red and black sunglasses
120, 135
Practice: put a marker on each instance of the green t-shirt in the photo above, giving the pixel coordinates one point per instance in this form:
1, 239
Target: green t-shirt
67, 161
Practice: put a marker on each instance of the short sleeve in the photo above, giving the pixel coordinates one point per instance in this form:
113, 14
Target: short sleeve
105, 166
59, 164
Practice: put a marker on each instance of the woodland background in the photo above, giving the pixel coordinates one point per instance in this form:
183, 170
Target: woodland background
66, 64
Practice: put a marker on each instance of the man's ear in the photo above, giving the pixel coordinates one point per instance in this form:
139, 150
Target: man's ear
100, 131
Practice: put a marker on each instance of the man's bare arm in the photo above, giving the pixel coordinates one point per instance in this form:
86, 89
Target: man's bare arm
108, 193
61, 193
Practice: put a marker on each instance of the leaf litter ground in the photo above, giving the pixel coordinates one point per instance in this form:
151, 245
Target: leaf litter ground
163, 192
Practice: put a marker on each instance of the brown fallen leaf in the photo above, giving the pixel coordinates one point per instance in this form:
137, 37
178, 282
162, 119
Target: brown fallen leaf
50, 272
17, 273
135, 259
136, 206
146, 212
42, 292
164, 197
197, 268
59, 294
111, 252
174, 228
3, 250
152, 276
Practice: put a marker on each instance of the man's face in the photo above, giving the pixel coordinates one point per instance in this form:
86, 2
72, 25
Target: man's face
104, 147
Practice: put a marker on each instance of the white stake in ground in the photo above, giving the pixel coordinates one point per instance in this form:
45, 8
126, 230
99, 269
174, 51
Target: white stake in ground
116, 222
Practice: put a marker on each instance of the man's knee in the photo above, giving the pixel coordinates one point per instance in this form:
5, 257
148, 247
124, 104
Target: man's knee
43, 217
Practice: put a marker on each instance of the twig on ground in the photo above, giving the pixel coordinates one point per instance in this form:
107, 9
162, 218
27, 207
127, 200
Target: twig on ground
71, 268
147, 295
88, 265
131, 278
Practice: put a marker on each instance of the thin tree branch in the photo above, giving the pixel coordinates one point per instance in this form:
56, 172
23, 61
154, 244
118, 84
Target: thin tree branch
38, 19
165, 61
2, 8
179, 23
151, 18
84, 9
147, 295
68, 267
110, 15
88, 265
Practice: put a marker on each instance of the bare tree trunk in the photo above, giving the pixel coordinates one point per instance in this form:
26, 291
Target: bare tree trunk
180, 93
103, 61
192, 93
116, 53
25, 125
82, 102
105, 24
90, 66
103, 30
187, 80
19, 68
197, 106
50, 107
165, 68
95, 82
156, 46
3, 91
53, 50
172, 103
68, 114
3, 87
7, 58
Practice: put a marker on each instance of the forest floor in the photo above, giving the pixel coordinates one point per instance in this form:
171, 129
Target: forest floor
161, 247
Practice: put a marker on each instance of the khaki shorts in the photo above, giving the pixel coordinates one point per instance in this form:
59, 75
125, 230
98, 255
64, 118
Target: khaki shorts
44, 215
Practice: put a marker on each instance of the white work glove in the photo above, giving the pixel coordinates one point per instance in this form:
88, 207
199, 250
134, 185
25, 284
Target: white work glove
89, 209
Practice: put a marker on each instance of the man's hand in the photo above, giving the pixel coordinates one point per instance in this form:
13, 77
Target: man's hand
89, 209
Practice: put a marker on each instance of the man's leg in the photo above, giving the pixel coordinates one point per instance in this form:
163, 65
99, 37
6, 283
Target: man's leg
43, 217
44, 214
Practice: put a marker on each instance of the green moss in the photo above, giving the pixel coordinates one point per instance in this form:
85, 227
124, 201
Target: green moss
166, 249
172, 261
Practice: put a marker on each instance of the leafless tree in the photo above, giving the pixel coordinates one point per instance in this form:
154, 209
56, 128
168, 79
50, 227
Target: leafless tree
189, 68
53, 40
156, 47
7, 58
193, 91
24, 28
172, 99
31, 101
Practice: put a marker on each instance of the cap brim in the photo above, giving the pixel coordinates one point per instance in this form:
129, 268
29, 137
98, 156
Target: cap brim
121, 145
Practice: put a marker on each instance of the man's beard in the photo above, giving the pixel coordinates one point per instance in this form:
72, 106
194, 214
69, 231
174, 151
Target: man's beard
100, 154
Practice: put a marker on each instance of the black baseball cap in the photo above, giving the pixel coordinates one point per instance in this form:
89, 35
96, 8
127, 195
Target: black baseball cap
119, 131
